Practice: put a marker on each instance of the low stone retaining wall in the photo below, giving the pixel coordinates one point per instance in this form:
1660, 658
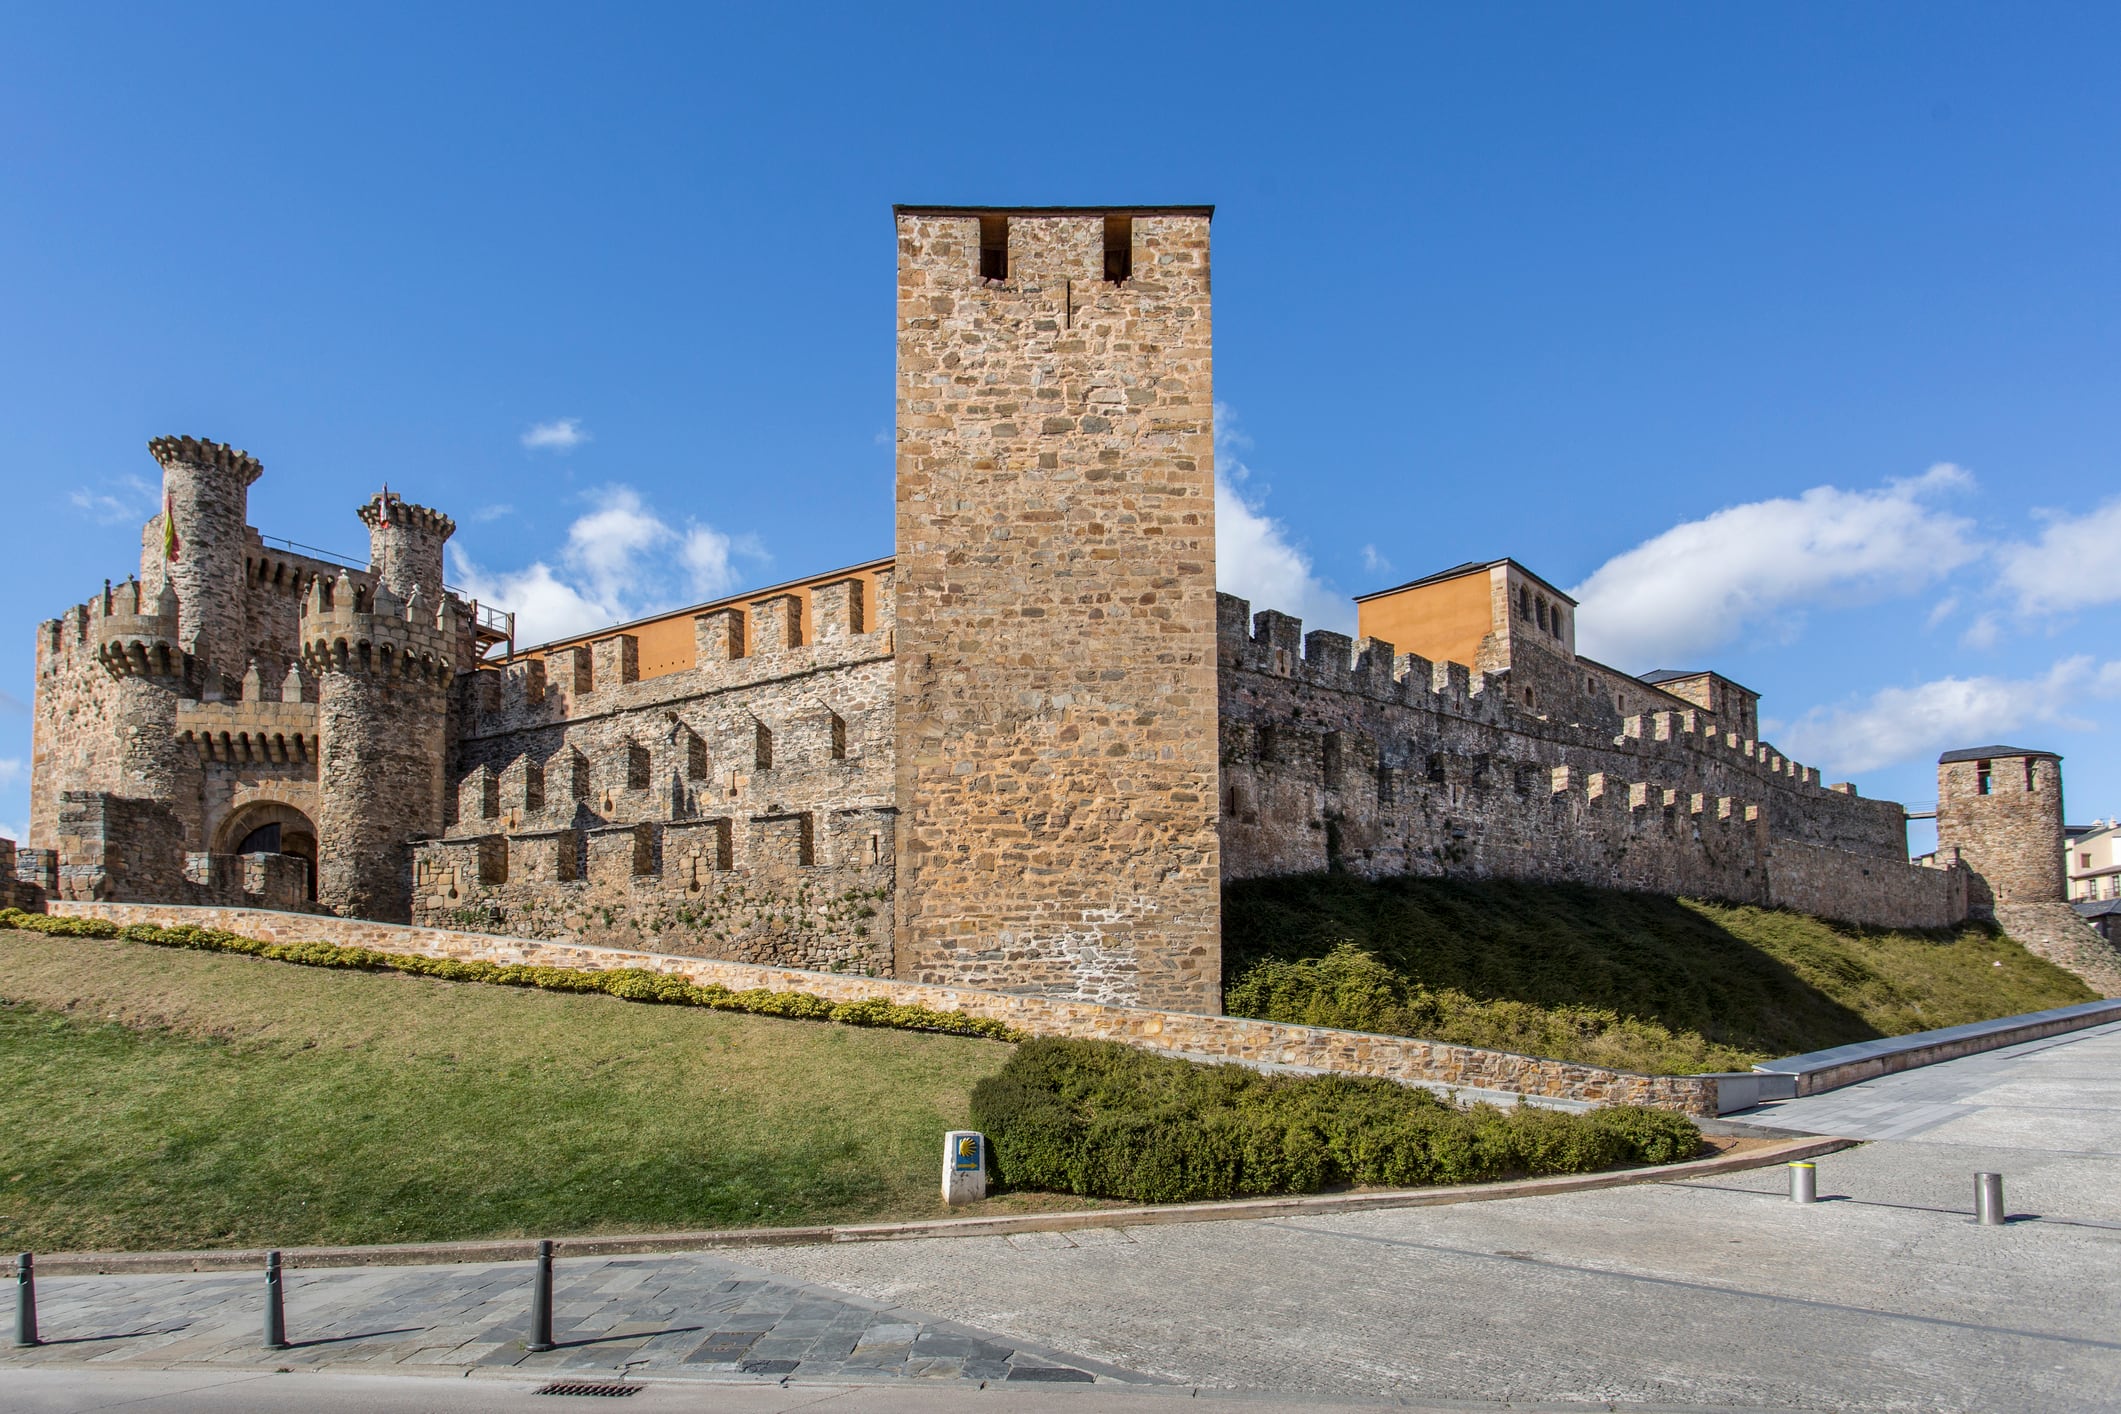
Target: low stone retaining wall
1219, 1037
1819, 1071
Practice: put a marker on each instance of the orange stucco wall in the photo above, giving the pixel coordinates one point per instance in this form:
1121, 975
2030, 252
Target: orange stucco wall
667, 643
1443, 622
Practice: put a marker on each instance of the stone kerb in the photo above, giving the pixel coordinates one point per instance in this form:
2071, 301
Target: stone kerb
1193, 1034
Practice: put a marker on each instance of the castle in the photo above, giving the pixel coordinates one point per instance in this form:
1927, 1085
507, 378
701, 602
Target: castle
1025, 752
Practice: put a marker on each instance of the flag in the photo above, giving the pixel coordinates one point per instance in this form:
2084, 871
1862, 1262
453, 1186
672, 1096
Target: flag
384, 520
169, 525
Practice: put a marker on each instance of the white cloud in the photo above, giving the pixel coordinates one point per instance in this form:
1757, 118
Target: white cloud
1905, 723
2068, 567
621, 561
562, 435
18, 833
129, 498
1756, 566
492, 513
1373, 562
1983, 631
10, 771
1254, 557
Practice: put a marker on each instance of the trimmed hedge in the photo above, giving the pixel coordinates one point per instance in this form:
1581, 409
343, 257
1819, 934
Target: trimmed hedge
629, 983
1104, 1120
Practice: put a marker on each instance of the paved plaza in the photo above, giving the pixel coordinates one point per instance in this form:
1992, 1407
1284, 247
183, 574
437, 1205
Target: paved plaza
1708, 1294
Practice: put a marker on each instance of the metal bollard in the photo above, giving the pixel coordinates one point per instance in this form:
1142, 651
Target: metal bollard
541, 1300
1988, 1199
275, 1311
1804, 1183
26, 1300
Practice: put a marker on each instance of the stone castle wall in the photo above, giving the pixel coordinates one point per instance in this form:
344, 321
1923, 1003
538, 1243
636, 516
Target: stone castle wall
1056, 569
1344, 756
742, 808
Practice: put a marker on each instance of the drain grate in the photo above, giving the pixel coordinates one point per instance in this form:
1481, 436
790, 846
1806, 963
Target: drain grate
585, 1387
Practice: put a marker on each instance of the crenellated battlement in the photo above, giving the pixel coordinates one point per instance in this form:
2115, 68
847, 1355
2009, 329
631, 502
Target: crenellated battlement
203, 455
134, 633
348, 630
404, 515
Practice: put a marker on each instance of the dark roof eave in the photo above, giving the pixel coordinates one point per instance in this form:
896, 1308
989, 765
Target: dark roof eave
904, 209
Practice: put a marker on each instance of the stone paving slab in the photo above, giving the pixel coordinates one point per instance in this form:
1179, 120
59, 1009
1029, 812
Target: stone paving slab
685, 1315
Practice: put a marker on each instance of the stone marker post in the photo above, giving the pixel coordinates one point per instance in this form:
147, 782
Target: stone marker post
964, 1166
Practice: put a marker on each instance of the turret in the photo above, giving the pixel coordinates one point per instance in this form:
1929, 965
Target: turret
2000, 807
383, 670
196, 543
405, 544
136, 633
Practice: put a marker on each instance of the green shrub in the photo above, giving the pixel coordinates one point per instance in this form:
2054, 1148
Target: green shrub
628, 983
1105, 1120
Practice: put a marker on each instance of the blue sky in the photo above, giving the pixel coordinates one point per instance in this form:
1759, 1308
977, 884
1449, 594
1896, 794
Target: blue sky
1784, 333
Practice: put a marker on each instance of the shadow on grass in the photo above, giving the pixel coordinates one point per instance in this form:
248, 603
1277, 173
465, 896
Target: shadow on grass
1782, 985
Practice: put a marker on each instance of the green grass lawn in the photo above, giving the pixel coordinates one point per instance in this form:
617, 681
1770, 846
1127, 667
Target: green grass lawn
157, 1098
1634, 981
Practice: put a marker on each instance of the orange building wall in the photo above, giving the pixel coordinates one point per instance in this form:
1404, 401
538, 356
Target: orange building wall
667, 643
1442, 622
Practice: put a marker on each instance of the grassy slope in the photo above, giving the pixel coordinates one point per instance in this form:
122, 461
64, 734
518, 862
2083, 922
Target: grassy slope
1732, 984
157, 1098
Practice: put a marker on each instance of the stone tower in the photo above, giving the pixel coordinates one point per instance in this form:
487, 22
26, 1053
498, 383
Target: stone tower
384, 666
2000, 807
405, 545
1056, 676
207, 487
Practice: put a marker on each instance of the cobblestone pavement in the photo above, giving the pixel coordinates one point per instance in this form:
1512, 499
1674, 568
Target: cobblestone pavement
665, 1315
1717, 1292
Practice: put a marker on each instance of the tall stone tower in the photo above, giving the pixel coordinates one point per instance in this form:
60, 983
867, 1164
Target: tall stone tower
206, 491
384, 665
2001, 808
1056, 690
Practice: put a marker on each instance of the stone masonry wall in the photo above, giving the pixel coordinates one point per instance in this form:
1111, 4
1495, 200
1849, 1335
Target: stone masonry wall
2009, 833
1056, 563
1344, 756
1187, 1033
742, 808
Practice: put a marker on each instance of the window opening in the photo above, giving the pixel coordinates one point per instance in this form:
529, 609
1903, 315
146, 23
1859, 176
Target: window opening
2029, 782
1524, 603
1119, 248
994, 247
1542, 614
1984, 781
839, 737
762, 748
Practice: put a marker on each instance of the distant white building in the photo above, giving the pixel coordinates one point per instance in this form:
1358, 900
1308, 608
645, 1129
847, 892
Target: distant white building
2092, 860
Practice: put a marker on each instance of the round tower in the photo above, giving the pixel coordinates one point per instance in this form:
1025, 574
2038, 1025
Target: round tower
2000, 807
383, 675
196, 542
405, 545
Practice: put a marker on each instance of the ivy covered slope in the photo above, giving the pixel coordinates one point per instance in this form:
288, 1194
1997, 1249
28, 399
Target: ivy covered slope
170, 1097
1632, 981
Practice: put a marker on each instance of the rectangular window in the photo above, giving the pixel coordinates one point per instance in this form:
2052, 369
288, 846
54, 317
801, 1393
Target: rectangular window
1984, 779
2030, 784
1119, 248
994, 247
